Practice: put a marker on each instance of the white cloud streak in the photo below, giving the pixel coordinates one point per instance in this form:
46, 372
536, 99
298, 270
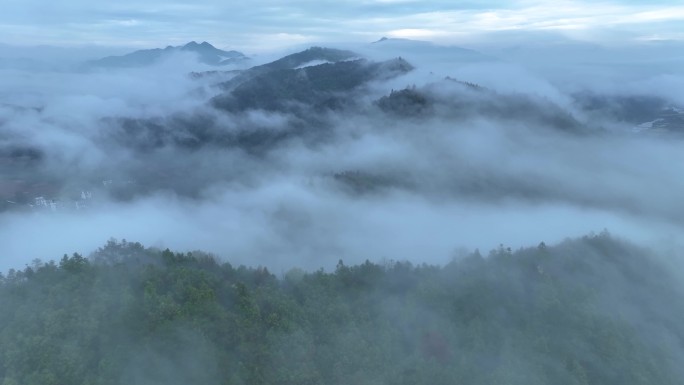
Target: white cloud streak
244, 25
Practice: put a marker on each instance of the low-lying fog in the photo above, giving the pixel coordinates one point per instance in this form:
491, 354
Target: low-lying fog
482, 168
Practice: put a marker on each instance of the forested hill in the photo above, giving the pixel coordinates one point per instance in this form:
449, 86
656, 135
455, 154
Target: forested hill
594, 310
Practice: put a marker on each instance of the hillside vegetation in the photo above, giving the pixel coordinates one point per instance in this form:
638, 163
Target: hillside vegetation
595, 310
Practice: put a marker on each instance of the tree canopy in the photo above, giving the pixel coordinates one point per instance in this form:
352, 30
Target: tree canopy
594, 310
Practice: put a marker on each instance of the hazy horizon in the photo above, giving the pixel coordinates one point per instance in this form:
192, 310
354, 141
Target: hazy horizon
266, 24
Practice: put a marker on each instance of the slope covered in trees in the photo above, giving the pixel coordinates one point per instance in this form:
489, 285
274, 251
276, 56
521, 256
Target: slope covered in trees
322, 86
594, 310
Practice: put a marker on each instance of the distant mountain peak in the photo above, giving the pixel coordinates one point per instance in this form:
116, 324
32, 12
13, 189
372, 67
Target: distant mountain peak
194, 44
421, 48
207, 54
386, 39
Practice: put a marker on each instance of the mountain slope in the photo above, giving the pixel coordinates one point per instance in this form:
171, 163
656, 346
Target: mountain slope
293, 61
458, 100
277, 86
645, 113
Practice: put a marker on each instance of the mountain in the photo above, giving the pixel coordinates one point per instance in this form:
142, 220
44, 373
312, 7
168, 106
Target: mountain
670, 119
457, 100
206, 54
305, 93
308, 57
644, 113
313, 54
275, 86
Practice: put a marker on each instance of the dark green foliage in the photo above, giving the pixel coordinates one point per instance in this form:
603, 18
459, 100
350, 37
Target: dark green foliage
407, 102
358, 182
470, 85
15, 161
283, 86
631, 109
590, 311
457, 100
314, 53
292, 61
662, 115
320, 87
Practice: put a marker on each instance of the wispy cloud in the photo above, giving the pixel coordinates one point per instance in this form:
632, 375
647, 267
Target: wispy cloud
242, 24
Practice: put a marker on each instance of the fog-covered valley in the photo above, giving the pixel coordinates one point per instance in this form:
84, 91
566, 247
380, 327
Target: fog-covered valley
393, 149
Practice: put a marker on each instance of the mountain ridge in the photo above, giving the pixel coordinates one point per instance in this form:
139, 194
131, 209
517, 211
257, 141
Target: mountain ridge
206, 53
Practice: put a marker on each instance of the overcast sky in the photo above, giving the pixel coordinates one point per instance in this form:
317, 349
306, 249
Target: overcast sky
263, 24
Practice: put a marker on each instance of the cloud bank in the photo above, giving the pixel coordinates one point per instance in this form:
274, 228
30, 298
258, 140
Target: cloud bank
517, 162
